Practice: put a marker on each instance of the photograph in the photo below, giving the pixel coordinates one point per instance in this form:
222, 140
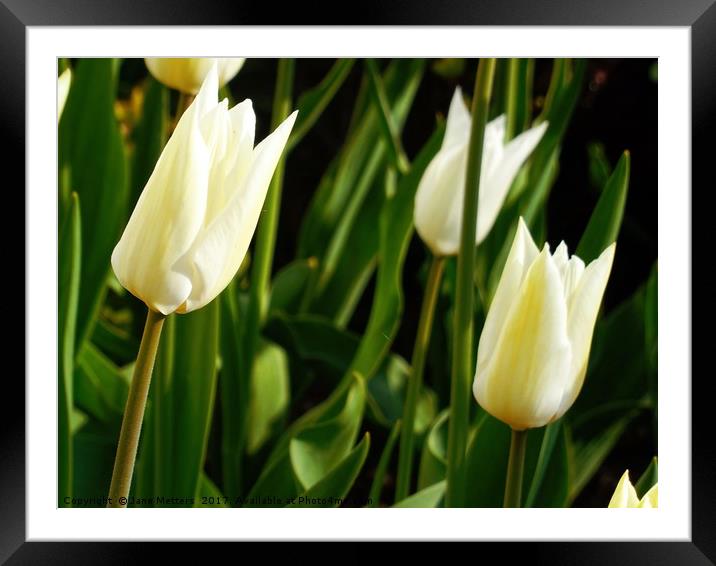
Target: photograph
357, 282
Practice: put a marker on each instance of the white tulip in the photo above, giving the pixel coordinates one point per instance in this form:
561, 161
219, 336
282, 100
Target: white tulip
188, 74
63, 89
534, 348
193, 222
625, 495
441, 192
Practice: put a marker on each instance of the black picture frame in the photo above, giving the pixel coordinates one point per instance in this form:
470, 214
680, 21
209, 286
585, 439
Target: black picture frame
699, 15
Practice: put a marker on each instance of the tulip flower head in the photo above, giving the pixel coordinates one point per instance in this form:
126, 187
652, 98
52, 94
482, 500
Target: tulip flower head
188, 74
533, 351
441, 192
63, 89
625, 495
194, 220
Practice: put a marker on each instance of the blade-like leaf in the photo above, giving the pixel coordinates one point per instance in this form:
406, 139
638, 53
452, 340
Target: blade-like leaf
606, 220
312, 103
91, 148
429, 497
333, 488
68, 277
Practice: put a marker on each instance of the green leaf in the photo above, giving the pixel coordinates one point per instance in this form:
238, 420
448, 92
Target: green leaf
100, 386
552, 432
117, 343
335, 422
235, 386
313, 102
182, 401
149, 136
339, 185
95, 446
333, 488
289, 285
651, 320
335, 249
599, 167
270, 395
606, 220
389, 129
648, 479
376, 486
328, 350
433, 461
429, 497
208, 489
518, 95
396, 229
91, 148
68, 280
318, 447
448, 68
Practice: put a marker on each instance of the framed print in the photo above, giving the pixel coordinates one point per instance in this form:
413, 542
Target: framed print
435, 280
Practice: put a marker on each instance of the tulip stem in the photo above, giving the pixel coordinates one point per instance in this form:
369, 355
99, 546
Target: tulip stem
515, 467
462, 357
134, 411
422, 341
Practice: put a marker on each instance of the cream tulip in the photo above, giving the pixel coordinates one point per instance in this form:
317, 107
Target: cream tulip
441, 192
534, 347
63, 89
193, 222
625, 495
188, 74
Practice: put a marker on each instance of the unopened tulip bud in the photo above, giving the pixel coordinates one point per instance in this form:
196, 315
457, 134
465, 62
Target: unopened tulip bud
193, 222
625, 495
534, 347
441, 192
188, 74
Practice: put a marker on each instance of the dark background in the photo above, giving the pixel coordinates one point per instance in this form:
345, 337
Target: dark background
617, 108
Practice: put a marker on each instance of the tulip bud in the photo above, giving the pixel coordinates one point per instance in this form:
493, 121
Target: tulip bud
441, 192
193, 222
188, 74
625, 495
63, 89
534, 348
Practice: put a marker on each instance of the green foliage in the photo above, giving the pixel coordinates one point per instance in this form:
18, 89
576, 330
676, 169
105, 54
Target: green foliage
312, 417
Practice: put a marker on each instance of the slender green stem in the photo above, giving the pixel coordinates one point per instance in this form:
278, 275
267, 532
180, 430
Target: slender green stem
462, 358
134, 411
512, 94
422, 341
379, 477
515, 467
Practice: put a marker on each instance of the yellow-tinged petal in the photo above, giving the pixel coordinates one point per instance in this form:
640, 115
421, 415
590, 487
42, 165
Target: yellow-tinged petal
522, 253
522, 382
583, 304
188, 74
651, 498
624, 494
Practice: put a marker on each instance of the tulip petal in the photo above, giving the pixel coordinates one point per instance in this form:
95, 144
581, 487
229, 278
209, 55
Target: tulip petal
523, 380
439, 199
583, 308
166, 220
499, 169
571, 269
63, 89
651, 498
624, 494
457, 128
522, 253
228, 68
218, 252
